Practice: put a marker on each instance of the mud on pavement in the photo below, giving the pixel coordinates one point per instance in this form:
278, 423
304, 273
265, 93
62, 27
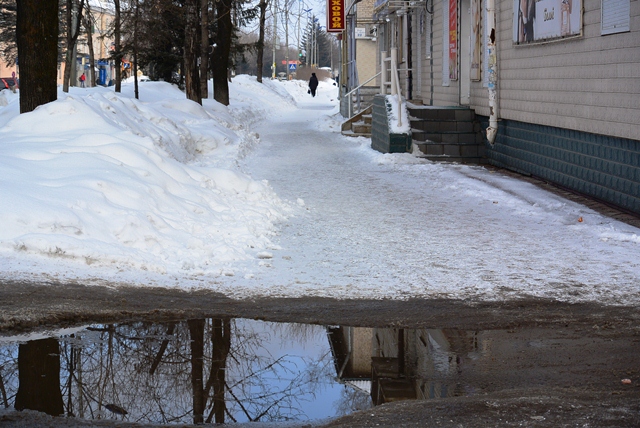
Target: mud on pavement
574, 401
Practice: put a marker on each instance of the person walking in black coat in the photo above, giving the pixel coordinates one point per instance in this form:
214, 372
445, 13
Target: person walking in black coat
313, 84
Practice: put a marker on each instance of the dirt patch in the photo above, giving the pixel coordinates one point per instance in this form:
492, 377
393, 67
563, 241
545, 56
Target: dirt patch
29, 306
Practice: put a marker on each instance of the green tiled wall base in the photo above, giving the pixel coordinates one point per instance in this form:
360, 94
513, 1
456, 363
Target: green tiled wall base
381, 139
604, 167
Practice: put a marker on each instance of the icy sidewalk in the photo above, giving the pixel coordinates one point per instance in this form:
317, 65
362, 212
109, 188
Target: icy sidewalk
393, 226
266, 198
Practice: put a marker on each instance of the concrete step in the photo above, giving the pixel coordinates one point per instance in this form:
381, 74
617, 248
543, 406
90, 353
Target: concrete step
367, 118
437, 126
361, 128
441, 113
447, 137
462, 153
454, 159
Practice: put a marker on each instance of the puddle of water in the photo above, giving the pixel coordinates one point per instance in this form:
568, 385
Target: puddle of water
209, 370
228, 371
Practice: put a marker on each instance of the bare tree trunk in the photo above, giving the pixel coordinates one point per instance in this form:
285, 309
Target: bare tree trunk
135, 49
92, 57
263, 5
74, 21
220, 66
192, 72
196, 331
222, 339
67, 57
37, 36
118, 45
204, 48
39, 377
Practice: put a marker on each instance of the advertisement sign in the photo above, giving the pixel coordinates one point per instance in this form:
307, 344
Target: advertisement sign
335, 16
537, 20
453, 39
476, 39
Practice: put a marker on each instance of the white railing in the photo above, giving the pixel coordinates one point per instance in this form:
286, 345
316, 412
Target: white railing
395, 80
348, 94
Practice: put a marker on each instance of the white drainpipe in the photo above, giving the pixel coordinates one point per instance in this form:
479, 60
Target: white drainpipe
492, 130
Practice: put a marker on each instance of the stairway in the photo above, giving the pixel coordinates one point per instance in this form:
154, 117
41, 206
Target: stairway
447, 134
359, 125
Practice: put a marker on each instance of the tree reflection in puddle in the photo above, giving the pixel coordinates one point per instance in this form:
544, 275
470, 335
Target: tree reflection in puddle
213, 370
226, 371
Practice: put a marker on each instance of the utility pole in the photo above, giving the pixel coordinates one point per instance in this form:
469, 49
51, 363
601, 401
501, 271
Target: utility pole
275, 38
286, 36
308, 47
299, 13
307, 32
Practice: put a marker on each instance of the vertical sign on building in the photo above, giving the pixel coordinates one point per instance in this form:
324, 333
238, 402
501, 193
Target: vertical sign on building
446, 81
453, 39
335, 16
476, 39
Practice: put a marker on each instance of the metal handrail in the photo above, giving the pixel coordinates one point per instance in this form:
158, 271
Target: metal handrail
353, 90
395, 82
348, 94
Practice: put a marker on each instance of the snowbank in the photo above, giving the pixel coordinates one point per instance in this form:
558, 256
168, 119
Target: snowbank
99, 179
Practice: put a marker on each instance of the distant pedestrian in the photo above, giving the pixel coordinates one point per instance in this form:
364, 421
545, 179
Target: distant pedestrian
82, 79
313, 84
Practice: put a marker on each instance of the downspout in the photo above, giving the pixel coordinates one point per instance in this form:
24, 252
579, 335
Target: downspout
431, 86
492, 130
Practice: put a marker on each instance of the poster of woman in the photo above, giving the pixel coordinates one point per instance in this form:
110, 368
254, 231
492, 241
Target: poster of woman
537, 20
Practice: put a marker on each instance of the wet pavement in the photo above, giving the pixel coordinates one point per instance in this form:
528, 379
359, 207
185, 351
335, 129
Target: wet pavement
577, 372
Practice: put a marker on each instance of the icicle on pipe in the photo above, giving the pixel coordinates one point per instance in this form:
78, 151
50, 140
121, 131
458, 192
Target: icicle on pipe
492, 130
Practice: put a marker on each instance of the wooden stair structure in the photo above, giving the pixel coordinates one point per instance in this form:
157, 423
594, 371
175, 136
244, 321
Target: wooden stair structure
359, 125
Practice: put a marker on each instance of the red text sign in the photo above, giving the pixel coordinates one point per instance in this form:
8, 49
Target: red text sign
335, 16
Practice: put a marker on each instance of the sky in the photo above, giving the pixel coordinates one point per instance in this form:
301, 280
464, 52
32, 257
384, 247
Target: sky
265, 197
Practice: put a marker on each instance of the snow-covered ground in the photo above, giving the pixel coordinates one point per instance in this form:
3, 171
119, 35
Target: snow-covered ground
266, 198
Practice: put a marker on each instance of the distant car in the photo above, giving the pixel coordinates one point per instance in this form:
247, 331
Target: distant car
8, 83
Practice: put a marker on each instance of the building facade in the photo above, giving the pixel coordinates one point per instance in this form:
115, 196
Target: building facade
102, 17
565, 82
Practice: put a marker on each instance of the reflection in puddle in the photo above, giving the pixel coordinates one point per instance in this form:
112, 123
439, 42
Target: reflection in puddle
210, 370
226, 371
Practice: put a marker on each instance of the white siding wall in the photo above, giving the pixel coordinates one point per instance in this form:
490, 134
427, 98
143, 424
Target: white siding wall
591, 83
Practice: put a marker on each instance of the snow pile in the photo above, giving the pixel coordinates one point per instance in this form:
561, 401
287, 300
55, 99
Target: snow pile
102, 179
398, 111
